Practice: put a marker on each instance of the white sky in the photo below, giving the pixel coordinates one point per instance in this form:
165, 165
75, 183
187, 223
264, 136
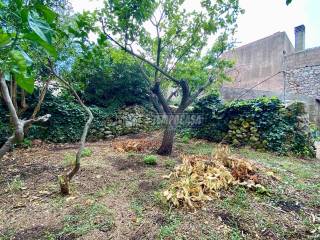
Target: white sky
261, 19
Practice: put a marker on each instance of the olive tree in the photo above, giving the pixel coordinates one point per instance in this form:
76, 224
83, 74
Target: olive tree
180, 48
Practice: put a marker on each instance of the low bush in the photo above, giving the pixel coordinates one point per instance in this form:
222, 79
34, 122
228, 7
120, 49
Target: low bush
150, 160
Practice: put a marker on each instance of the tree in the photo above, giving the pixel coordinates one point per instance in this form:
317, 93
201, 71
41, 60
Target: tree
108, 76
26, 26
65, 179
177, 51
75, 41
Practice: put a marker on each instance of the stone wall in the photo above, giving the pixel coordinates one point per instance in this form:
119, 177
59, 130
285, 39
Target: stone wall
132, 119
302, 73
298, 78
304, 80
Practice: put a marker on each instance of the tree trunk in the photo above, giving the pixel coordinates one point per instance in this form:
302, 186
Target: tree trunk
24, 105
14, 94
19, 124
64, 180
168, 137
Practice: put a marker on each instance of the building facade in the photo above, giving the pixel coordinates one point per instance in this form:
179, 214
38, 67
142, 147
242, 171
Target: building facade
272, 66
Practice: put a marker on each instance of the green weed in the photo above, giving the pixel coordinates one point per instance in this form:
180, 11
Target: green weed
151, 173
150, 160
69, 160
168, 230
15, 185
86, 152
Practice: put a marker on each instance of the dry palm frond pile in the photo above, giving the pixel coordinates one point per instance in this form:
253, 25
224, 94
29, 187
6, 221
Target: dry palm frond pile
136, 145
201, 178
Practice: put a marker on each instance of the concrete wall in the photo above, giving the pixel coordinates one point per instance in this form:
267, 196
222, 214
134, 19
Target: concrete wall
309, 57
258, 60
231, 93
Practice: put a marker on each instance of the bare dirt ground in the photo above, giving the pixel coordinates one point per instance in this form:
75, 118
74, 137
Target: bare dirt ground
117, 196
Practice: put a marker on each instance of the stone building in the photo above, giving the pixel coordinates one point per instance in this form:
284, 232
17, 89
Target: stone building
272, 66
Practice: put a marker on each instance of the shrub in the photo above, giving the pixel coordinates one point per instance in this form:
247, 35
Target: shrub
26, 143
67, 120
5, 129
109, 76
150, 160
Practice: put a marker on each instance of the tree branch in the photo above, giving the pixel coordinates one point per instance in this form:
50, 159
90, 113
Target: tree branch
137, 55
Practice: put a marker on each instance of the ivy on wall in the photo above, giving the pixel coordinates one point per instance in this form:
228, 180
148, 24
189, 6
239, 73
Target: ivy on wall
262, 123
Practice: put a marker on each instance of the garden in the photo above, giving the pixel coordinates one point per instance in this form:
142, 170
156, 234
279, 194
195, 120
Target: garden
112, 127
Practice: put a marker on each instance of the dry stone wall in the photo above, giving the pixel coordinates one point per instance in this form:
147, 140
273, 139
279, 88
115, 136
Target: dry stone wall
132, 119
305, 81
302, 73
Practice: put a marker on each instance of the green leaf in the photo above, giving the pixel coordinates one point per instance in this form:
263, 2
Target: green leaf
18, 61
26, 57
288, 2
26, 83
47, 13
19, 3
5, 39
102, 38
48, 47
40, 27
24, 15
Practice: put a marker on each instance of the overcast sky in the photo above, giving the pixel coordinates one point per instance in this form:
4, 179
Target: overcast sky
262, 18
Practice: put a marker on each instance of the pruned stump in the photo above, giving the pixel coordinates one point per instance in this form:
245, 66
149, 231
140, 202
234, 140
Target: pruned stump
64, 185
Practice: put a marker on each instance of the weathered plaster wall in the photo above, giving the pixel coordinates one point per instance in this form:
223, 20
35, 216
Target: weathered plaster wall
298, 78
258, 60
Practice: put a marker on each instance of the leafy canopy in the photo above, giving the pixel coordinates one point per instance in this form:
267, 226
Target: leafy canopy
177, 40
24, 27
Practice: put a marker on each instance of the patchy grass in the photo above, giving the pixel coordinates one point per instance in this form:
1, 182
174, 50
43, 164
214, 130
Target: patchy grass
116, 196
84, 219
16, 185
69, 159
167, 231
169, 163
